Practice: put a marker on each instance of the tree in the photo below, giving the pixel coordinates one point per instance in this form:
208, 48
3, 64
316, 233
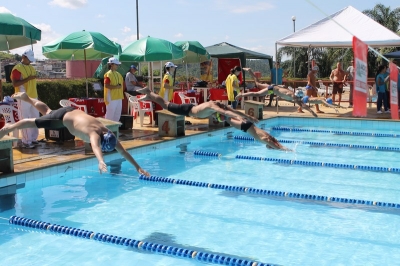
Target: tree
385, 16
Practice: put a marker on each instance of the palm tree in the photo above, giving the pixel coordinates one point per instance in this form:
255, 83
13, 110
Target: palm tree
391, 20
385, 16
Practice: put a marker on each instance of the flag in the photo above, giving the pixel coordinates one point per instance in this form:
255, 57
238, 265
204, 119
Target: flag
360, 78
394, 75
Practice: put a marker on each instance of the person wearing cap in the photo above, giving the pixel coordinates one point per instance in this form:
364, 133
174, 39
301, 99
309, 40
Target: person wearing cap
23, 77
338, 79
350, 77
232, 85
312, 87
79, 124
131, 82
167, 84
113, 90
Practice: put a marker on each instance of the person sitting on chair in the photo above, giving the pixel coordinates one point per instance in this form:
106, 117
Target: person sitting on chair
79, 124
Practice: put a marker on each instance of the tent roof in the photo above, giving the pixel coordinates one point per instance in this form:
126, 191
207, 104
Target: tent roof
226, 50
327, 33
395, 54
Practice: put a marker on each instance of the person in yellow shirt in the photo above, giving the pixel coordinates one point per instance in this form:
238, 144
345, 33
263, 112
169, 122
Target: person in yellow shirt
113, 90
23, 78
232, 85
167, 84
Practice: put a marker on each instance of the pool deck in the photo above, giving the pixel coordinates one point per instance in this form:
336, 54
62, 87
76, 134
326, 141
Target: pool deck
50, 153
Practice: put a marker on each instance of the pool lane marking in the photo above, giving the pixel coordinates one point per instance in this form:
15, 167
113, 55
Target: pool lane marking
338, 132
135, 244
265, 192
327, 144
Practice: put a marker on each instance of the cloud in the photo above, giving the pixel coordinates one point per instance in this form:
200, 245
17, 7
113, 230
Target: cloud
178, 35
71, 4
226, 37
101, 16
126, 29
4, 10
251, 8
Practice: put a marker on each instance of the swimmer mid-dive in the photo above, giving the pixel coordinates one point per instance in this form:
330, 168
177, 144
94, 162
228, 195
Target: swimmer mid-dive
257, 133
284, 94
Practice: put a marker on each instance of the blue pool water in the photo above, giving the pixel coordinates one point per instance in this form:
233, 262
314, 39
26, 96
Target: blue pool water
252, 227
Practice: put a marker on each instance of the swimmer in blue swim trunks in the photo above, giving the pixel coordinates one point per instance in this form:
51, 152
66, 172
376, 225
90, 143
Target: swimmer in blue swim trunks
78, 123
318, 100
202, 110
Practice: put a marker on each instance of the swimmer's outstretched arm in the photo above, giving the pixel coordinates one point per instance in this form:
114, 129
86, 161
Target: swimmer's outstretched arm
248, 117
305, 106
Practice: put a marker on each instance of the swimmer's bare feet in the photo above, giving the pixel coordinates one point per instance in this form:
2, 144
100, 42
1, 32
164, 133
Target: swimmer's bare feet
4, 131
145, 98
145, 90
20, 96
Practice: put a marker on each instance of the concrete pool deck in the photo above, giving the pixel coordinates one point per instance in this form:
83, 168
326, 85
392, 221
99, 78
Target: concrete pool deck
50, 153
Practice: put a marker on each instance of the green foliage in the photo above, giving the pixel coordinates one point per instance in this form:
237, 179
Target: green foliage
52, 91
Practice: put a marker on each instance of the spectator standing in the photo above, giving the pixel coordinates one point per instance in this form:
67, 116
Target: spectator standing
276, 78
113, 90
232, 85
380, 80
131, 82
23, 77
338, 79
167, 84
350, 77
311, 87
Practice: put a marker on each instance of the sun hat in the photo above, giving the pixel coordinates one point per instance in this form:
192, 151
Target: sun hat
30, 55
315, 68
108, 142
305, 99
113, 60
133, 67
170, 64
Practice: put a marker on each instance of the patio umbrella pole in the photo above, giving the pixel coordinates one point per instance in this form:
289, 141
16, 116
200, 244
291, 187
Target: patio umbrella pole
87, 86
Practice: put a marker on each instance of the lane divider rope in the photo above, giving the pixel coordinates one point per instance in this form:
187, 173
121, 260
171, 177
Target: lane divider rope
265, 192
136, 244
366, 134
321, 164
327, 144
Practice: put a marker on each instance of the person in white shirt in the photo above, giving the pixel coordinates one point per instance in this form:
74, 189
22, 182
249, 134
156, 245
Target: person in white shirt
131, 82
350, 77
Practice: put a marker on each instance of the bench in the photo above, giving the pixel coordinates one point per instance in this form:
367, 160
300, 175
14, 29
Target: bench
170, 124
111, 125
6, 154
254, 109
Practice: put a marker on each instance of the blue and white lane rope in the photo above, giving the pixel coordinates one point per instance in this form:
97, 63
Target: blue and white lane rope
338, 132
306, 163
327, 144
136, 244
265, 192
321, 164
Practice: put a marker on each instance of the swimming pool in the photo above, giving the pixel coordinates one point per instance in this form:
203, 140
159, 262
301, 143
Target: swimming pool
250, 204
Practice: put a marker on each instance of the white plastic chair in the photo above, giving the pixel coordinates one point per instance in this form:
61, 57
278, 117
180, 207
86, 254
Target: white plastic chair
322, 89
8, 113
127, 95
66, 103
187, 99
142, 107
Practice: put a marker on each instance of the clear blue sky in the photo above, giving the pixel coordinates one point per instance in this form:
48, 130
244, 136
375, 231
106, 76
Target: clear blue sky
255, 24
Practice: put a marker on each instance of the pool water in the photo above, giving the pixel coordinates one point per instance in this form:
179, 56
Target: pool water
252, 227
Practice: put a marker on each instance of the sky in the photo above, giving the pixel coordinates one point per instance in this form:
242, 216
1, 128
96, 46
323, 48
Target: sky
255, 25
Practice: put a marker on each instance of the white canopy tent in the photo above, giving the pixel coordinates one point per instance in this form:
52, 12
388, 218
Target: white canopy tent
327, 32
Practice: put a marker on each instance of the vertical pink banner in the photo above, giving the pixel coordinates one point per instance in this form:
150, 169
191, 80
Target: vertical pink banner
360, 78
394, 75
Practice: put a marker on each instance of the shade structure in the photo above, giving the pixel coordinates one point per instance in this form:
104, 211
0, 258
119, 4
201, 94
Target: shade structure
150, 49
16, 32
395, 54
193, 51
81, 45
